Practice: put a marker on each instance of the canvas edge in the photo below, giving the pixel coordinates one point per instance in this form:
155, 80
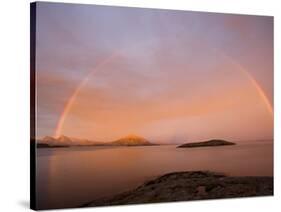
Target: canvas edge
33, 198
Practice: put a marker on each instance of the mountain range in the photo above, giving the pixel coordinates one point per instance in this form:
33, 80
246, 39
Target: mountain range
65, 141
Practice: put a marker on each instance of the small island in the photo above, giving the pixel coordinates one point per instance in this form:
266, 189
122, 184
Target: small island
210, 143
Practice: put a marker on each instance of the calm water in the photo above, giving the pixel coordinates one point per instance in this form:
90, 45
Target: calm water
69, 177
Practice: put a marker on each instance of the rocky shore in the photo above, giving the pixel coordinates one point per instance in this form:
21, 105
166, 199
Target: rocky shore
193, 185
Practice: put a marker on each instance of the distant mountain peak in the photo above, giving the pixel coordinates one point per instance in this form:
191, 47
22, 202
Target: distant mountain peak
132, 140
64, 138
133, 136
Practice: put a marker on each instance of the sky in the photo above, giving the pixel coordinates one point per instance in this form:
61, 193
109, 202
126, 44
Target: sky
170, 76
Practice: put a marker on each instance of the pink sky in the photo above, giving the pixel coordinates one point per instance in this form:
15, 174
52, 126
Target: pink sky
175, 76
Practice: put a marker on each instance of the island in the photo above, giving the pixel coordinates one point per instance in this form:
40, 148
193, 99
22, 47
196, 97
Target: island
190, 185
209, 143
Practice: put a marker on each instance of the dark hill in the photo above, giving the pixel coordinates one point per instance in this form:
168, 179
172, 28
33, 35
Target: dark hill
214, 142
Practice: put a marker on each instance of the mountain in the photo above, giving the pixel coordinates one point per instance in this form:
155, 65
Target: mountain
214, 142
66, 141
132, 140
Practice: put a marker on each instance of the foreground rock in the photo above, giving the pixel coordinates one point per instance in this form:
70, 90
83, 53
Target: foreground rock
195, 185
214, 142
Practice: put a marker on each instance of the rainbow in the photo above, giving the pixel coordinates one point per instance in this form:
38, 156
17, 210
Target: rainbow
254, 83
74, 95
72, 98
260, 92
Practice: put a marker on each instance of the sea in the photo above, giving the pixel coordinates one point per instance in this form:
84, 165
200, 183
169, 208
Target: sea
74, 176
